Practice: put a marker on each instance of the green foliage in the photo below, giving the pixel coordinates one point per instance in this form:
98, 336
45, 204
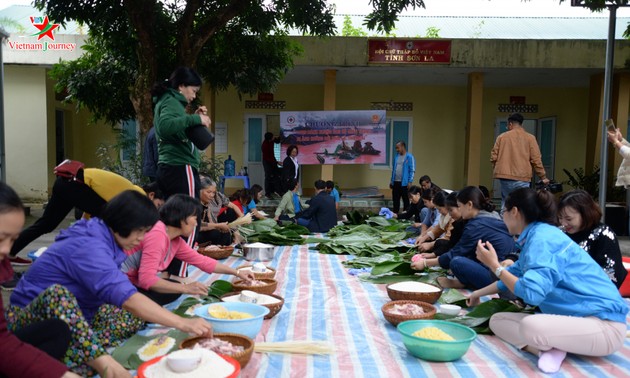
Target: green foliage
109, 156
432, 32
384, 15
211, 167
12, 25
239, 43
580, 180
349, 30
590, 183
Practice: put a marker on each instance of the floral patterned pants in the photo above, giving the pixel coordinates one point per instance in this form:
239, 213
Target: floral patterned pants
110, 327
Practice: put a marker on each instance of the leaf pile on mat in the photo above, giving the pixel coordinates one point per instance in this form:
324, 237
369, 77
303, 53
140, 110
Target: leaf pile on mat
479, 318
268, 231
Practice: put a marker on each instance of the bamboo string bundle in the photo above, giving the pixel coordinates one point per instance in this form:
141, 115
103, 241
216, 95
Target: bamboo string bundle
247, 219
295, 347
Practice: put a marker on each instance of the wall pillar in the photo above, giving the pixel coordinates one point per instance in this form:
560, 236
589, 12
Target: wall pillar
472, 155
330, 103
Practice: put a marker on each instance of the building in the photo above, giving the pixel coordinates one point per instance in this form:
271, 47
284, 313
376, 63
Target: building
450, 113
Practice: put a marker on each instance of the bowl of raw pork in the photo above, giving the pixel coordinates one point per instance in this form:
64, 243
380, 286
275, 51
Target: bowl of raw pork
414, 291
234, 317
261, 286
239, 347
397, 312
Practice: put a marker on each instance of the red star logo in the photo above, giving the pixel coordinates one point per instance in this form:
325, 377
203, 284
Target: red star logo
45, 28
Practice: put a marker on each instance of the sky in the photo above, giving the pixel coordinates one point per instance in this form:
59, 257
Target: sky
512, 8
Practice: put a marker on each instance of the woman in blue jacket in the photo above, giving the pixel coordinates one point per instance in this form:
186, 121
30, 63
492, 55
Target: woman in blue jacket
581, 309
483, 223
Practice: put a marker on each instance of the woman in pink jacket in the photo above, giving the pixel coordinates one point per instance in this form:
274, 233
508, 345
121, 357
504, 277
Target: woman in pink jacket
147, 264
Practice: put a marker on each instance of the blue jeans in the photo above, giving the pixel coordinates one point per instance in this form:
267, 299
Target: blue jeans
508, 186
303, 222
472, 274
425, 215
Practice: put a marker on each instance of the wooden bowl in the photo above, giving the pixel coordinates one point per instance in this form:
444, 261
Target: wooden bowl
429, 312
233, 338
270, 273
274, 308
397, 295
269, 287
217, 254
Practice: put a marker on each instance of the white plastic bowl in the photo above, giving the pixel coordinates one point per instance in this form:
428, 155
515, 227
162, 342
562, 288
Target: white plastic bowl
184, 360
449, 309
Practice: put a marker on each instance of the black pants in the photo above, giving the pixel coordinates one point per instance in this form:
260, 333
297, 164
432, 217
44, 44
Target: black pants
229, 215
160, 298
214, 237
174, 179
65, 195
272, 178
399, 191
52, 336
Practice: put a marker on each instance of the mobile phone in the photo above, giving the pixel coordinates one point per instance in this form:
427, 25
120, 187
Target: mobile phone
610, 124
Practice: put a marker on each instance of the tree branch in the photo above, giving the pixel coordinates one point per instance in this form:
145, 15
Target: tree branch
187, 55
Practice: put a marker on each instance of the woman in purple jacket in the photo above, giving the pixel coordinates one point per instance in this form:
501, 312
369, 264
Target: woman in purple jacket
78, 279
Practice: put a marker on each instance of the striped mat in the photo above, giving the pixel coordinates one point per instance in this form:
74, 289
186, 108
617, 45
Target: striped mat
324, 302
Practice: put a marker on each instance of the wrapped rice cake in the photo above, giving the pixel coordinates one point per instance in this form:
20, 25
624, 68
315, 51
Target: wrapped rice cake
156, 347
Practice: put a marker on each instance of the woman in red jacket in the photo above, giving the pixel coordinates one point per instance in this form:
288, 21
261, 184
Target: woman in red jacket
34, 351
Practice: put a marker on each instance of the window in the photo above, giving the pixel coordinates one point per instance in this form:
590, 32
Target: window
397, 129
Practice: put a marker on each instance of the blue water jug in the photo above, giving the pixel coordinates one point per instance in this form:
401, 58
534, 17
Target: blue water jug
229, 167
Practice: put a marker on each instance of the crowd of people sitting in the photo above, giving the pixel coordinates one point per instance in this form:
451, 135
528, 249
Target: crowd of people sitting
109, 273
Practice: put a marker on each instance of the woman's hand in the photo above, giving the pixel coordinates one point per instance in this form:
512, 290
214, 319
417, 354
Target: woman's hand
195, 288
246, 275
196, 326
473, 299
223, 227
612, 135
70, 374
506, 263
426, 246
106, 366
205, 120
487, 255
202, 110
421, 239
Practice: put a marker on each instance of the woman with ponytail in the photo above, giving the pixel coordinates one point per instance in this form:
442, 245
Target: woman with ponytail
178, 158
581, 310
483, 224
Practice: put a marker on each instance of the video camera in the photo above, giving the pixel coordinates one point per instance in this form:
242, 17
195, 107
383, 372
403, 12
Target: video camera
553, 187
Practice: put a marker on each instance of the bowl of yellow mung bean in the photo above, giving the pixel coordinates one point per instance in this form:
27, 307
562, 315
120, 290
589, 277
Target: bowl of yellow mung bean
436, 340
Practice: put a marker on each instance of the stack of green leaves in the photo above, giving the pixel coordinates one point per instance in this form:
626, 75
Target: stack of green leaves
268, 231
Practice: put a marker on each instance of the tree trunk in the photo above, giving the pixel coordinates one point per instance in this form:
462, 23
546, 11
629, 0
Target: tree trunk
142, 17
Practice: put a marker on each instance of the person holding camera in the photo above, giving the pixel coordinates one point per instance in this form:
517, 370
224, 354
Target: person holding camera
514, 154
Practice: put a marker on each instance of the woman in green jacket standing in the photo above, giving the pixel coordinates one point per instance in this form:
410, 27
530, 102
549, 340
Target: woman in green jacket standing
179, 159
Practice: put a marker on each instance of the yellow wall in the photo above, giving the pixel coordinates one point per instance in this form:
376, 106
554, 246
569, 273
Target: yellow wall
25, 130
439, 121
